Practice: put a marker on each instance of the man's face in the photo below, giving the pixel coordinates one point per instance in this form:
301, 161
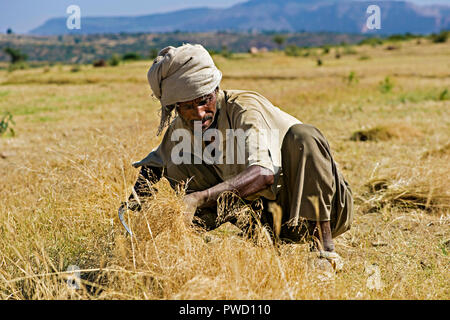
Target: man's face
201, 109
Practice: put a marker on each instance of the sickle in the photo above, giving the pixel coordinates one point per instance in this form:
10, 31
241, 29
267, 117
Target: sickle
122, 210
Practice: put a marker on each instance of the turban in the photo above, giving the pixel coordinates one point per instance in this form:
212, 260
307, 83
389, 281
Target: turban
181, 74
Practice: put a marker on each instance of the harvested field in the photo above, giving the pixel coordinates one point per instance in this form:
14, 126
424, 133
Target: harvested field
68, 167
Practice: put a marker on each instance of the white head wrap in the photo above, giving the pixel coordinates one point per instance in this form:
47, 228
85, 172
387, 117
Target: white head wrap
181, 74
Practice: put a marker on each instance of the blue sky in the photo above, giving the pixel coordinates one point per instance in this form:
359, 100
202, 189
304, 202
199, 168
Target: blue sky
24, 15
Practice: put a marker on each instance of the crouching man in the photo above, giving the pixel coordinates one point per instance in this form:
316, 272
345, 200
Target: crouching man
231, 140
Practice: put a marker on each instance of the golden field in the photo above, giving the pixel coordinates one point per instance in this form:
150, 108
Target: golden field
68, 167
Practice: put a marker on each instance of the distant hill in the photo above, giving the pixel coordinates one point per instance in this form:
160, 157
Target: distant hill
87, 48
344, 16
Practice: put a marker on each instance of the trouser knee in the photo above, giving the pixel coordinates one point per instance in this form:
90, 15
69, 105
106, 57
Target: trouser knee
305, 136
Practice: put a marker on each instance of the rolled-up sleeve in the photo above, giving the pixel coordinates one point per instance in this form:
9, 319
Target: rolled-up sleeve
153, 159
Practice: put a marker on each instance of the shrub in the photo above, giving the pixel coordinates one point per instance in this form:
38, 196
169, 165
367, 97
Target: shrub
226, 53
401, 37
444, 95
349, 50
153, 53
99, 63
131, 56
386, 85
213, 52
397, 37
441, 37
16, 55
292, 51
352, 78
18, 66
5, 124
114, 60
364, 57
279, 39
371, 41
75, 68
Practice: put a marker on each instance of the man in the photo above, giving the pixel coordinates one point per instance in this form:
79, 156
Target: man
230, 140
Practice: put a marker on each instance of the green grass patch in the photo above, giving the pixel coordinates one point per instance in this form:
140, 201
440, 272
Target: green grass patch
4, 93
25, 109
55, 104
45, 119
421, 96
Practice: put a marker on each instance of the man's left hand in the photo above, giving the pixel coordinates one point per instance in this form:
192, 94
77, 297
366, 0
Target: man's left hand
192, 201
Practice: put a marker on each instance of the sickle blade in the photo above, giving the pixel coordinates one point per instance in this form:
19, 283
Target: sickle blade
122, 210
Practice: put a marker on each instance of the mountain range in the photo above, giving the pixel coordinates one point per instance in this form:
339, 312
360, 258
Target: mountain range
343, 16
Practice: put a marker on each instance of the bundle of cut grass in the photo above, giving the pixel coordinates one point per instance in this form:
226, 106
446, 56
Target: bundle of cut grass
407, 193
246, 216
385, 132
160, 214
438, 152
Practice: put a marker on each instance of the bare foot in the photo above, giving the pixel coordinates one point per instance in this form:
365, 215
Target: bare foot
322, 232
